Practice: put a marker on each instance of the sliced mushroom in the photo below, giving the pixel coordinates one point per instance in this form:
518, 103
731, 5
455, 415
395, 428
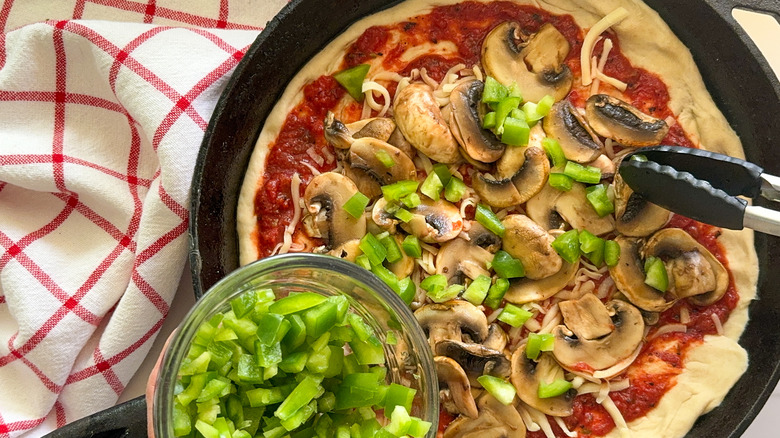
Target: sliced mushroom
364, 157
634, 215
495, 420
532, 245
478, 142
629, 277
586, 317
398, 140
576, 210
525, 290
613, 118
456, 320
435, 221
454, 382
419, 118
458, 259
541, 208
348, 250
336, 133
382, 218
380, 128
496, 338
694, 271
514, 157
324, 198
526, 376
526, 182
579, 354
475, 359
482, 237
566, 125
534, 61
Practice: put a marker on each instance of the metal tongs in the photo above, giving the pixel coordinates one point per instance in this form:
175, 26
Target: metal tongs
704, 186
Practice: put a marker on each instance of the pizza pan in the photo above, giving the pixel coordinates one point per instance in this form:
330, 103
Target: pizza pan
737, 76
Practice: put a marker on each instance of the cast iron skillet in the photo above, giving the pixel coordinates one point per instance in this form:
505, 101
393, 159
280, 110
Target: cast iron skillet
737, 76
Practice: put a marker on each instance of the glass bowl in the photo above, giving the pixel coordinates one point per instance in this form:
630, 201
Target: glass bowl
409, 362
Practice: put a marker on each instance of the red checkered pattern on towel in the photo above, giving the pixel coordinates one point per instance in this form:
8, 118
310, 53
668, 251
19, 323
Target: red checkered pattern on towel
100, 125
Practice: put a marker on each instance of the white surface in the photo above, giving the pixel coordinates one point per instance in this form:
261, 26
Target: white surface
763, 29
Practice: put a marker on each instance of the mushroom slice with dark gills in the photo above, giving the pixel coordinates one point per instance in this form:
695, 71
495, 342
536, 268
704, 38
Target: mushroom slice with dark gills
525, 240
475, 359
629, 277
522, 186
421, 122
480, 144
459, 258
586, 317
634, 215
694, 273
526, 376
364, 156
578, 354
534, 61
454, 387
566, 125
613, 118
324, 198
482, 237
455, 320
495, 420
435, 221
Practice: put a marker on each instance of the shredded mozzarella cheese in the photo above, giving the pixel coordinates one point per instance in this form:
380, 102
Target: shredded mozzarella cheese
718, 324
315, 156
685, 315
562, 425
314, 170
368, 89
530, 424
617, 417
589, 42
295, 189
669, 328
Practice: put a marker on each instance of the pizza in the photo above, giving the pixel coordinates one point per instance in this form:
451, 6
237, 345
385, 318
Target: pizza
466, 153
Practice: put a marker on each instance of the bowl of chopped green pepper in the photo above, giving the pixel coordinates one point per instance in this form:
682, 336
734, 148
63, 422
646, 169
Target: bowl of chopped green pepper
298, 345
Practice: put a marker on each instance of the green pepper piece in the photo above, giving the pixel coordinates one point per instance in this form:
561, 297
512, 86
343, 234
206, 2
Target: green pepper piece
248, 370
300, 416
655, 274
493, 91
387, 277
394, 192
583, 174
196, 385
182, 424
496, 293
373, 249
411, 246
554, 151
567, 245
407, 290
399, 422
599, 199
434, 282
432, 186
611, 253
352, 80
268, 396
244, 303
357, 203
503, 108
419, 428
404, 215
516, 132
560, 181
554, 389
411, 200
302, 395
392, 248
207, 430
502, 390
199, 364
507, 266
267, 355
321, 318
359, 325
489, 121
363, 262
398, 395
485, 216
271, 328
477, 290
368, 352
443, 172
454, 190
335, 363
537, 343
294, 362
296, 303
514, 316
356, 390
296, 336
318, 360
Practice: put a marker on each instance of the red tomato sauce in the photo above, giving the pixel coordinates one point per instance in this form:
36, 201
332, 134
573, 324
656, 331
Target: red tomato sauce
466, 26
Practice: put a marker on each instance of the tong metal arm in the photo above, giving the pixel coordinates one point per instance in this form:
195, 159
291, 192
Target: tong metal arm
705, 186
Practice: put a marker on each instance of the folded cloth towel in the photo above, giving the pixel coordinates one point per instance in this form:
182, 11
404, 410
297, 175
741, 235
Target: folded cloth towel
100, 126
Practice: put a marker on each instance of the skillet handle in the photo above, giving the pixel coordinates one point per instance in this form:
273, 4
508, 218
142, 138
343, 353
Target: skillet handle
724, 7
126, 420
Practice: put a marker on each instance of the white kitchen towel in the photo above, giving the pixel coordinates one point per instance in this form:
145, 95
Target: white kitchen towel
103, 106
